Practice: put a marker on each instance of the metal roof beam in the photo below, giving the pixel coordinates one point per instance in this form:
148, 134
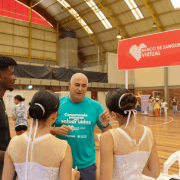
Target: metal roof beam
88, 12
87, 33
152, 7
132, 36
111, 18
85, 9
167, 12
152, 15
116, 18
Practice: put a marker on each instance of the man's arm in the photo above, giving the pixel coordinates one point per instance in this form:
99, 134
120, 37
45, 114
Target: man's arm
104, 129
62, 131
105, 121
2, 154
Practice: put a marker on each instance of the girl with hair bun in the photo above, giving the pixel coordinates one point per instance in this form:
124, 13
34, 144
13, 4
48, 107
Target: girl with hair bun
129, 151
20, 115
37, 154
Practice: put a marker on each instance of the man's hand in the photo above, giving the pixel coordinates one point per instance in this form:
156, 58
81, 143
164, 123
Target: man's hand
76, 174
63, 130
104, 118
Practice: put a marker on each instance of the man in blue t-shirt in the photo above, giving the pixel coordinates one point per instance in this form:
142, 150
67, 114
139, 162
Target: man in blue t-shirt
75, 123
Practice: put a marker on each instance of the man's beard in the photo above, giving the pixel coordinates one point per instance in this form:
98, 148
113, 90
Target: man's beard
11, 89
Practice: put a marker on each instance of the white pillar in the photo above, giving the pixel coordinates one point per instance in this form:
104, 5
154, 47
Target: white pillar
126, 79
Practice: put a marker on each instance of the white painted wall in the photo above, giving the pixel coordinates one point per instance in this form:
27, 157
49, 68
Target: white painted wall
173, 75
27, 94
150, 77
102, 97
88, 94
114, 75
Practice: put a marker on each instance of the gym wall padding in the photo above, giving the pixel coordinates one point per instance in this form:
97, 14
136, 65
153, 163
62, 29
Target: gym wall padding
61, 74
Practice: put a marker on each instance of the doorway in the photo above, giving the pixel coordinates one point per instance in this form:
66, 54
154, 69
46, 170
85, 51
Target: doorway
94, 95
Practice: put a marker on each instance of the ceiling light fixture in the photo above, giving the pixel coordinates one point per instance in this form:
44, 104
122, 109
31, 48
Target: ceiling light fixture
119, 35
154, 26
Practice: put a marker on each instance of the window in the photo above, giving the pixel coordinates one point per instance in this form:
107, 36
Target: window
40, 87
48, 87
134, 9
63, 88
176, 3
18, 86
99, 14
56, 88
76, 16
17, 10
28, 87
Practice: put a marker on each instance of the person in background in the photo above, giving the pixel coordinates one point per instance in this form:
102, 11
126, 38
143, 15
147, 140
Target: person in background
157, 106
7, 80
36, 154
129, 151
20, 115
163, 106
174, 103
151, 106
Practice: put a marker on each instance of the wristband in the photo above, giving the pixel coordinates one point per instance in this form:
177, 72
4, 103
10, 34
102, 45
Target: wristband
106, 126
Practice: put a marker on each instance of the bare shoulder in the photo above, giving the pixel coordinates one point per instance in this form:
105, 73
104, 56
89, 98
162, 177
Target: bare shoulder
106, 136
58, 141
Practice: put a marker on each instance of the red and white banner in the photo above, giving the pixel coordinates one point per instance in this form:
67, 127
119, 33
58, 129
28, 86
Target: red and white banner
155, 50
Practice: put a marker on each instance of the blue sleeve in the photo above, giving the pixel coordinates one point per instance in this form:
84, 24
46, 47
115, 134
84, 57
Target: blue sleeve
14, 111
100, 110
54, 125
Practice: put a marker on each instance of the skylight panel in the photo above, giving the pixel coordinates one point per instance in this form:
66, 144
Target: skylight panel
76, 16
176, 4
134, 9
99, 14
88, 30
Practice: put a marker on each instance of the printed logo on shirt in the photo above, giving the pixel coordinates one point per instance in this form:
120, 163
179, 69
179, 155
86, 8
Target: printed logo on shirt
76, 118
73, 128
82, 136
70, 136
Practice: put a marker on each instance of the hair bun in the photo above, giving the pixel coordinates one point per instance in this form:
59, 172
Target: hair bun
23, 99
128, 101
35, 112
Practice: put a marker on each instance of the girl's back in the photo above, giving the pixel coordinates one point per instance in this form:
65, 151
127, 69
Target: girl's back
130, 154
48, 153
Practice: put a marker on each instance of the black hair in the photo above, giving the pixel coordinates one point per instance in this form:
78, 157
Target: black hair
150, 97
20, 98
127, 102
5, 62
50, 102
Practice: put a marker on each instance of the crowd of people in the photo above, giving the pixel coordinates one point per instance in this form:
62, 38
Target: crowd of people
60, 143
156, 107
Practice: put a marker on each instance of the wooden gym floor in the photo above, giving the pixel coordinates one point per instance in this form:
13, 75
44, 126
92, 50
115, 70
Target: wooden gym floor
165, 129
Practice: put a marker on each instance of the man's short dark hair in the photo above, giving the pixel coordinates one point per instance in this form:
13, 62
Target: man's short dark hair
5, 62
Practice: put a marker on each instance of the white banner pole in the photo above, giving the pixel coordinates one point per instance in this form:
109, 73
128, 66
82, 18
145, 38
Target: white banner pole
126, 79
